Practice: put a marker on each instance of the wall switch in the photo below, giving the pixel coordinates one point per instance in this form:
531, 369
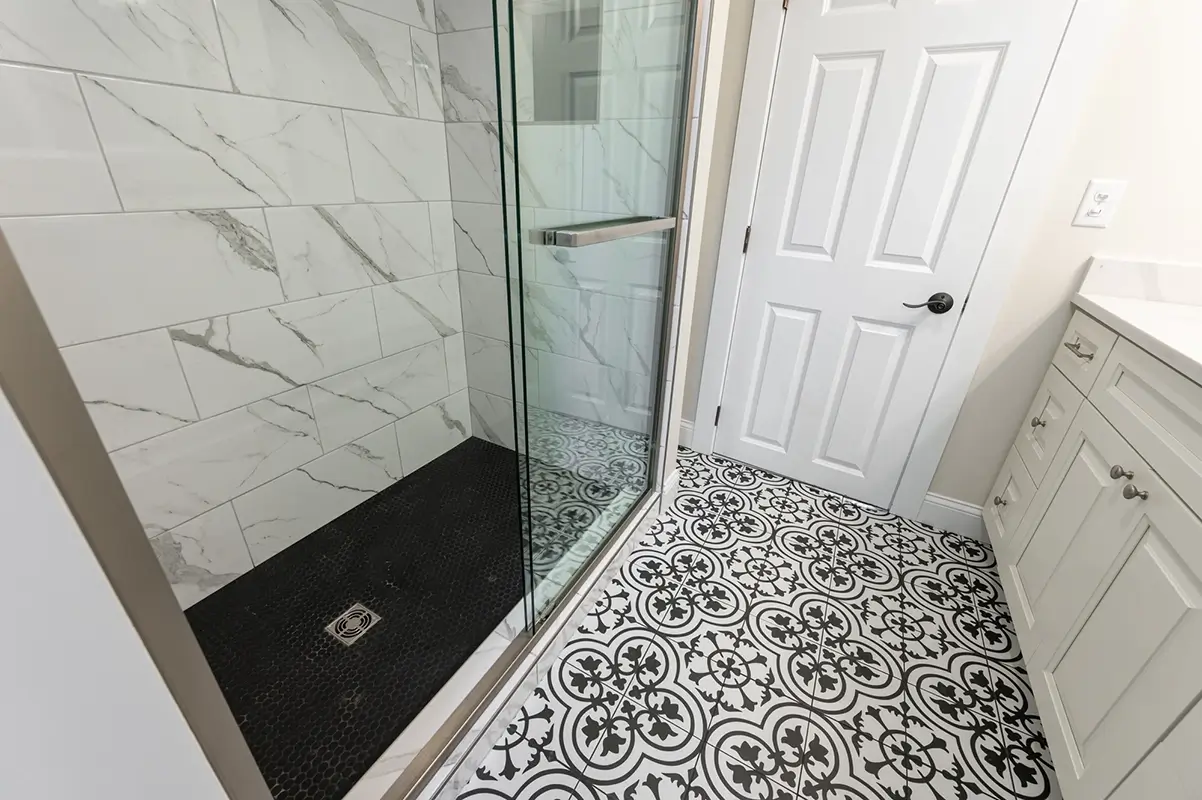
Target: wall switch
1100, 203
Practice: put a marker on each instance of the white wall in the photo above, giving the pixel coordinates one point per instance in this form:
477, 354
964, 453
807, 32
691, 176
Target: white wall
1143, 123
85, 712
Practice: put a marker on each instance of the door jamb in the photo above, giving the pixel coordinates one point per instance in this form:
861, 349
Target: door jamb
1091, 23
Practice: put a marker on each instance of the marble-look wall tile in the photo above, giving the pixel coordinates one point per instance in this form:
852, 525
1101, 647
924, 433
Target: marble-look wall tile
475, 162
419, 13
554, 178
595, 392
488, 365
417, 311
628, 166
329, 249
442, 229
641, 61
234, 360
484, 305
456, 363
469, 76
280, 513
49, 157
150, 270
319, 51
428, 74
174, 41
428, 433
492, 418
397, 159
480, 238
462, 15
633, 267
368, 397
184, 148
132, 386
177, 476
202, 555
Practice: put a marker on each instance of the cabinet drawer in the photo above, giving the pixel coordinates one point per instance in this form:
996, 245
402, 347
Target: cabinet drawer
1159, 411
1047, 421
1083, 350
1006, 504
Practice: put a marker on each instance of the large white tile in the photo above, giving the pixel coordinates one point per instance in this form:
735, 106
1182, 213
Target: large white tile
426, 434
635, 267
595, 392
553, 178
417, 311
480, 238
488, 365
329, 249
132, 386
492, 418
456, 363
289, 508
485, 311
368, 397
397, 159
185, 148
177, 476
469, 76
562, 321
627, 166
641, 54
460, 15
112, 274
442, 229
419, 13
475, 161
50, 161
234, 360
319, 51
427, 73
202, 555
175, 41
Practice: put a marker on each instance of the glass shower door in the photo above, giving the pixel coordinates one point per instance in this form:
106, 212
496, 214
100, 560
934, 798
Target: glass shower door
593, 96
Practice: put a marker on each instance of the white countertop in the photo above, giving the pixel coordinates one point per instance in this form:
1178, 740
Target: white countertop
1170, 331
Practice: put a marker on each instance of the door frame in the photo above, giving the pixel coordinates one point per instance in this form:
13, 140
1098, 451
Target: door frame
1091, 23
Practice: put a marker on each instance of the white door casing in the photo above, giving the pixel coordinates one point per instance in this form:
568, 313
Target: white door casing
894, 129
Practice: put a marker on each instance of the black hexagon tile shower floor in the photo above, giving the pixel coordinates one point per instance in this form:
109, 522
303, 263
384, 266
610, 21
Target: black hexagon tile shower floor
768, 641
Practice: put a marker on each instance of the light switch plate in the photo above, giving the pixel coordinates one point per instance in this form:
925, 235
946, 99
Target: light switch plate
1100, 203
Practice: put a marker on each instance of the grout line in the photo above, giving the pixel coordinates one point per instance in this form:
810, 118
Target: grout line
350, 166
183, 374
99, 145
225, 53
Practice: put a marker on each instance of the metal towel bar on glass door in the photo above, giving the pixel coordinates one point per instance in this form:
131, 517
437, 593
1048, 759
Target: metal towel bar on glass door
604, 231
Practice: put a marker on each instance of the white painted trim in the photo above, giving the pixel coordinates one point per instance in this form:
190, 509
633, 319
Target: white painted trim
686, 433
767, 22
947, 514
1091, 23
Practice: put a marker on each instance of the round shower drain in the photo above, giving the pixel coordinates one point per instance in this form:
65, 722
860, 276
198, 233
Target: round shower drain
351, 624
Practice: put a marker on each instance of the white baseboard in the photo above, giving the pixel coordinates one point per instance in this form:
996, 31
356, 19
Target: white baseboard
686, 433
953, 515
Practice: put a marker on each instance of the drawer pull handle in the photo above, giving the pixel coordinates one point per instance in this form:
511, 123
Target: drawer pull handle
1130, 492
1075, 349
1038, 423
997, 501
1117, 472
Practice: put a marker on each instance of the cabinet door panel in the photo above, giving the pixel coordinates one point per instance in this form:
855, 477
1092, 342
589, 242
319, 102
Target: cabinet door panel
1120, 670
1008, 502
1047, 422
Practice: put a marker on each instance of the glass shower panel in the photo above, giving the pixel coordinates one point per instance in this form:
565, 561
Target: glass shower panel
593, 117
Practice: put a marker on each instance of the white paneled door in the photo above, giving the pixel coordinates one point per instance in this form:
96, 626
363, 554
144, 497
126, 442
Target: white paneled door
893, 131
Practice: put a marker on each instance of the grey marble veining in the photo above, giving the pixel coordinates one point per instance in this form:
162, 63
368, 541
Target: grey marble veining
417, 311
427, 72
202, 555
395, 159
480, 237
469, 87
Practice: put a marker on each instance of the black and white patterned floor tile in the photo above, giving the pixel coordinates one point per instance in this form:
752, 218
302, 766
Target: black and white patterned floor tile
769, 641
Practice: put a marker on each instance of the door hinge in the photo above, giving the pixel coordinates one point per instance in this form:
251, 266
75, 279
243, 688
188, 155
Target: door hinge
746, 238
785, 4
717, 416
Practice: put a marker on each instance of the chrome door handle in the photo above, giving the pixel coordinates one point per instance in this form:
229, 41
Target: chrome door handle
1075, 349
1130, 492
1117, 472
609, 230
938, 303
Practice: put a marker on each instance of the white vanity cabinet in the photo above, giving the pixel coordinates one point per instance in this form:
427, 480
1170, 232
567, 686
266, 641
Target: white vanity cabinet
1103, 572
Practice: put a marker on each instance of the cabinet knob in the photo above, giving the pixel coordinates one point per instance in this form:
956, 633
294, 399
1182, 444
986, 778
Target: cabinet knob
997, 501
1117, 472
1130, 492
1036, 422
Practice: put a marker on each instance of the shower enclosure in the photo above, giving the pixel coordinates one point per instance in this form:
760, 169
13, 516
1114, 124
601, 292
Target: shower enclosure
367, 301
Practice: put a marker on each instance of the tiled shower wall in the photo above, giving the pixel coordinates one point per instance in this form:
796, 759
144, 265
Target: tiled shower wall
590, 313
235, 216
